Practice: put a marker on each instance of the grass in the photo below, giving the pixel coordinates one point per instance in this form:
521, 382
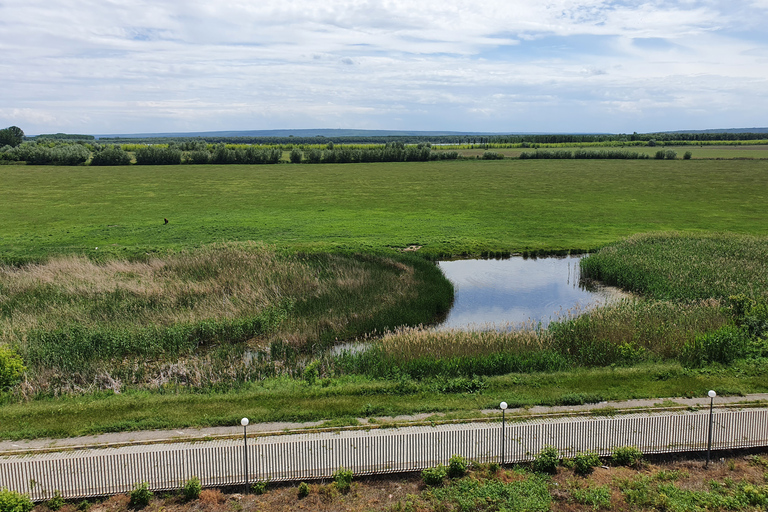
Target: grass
201, 313
349, 397
460, 207
684, 267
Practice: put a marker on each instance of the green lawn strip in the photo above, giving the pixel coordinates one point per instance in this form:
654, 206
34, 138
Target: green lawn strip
448, 207
352, 397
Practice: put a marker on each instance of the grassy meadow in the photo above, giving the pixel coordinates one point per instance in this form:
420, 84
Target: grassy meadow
448, 208
124, 322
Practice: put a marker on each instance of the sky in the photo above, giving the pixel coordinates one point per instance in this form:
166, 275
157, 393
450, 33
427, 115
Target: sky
615, 66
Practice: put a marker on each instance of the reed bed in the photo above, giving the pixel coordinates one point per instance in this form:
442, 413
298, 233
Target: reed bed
219, 315
682, 266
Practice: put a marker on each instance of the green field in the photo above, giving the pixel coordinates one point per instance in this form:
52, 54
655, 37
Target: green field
448, 208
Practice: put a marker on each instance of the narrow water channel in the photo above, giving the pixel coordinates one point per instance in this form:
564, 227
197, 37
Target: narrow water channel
510, 292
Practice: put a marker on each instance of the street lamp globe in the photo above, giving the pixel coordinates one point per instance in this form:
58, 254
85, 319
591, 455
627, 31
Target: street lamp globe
503, 405
244, 422
712, 393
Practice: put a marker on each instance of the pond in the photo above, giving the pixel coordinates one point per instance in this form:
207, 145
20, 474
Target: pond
514, 291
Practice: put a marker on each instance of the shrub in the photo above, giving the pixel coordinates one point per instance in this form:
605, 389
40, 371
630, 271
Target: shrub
687, 155
659, 154
260, 488
11, 368
547, 460
670, 155
12, 501
343, 479
311, 372
154, 155
457, 466
296, 156
200, 156
303, 490
56, 502
626, 456
492, 155
721, 346
584, 462
192, 488
315, 156
434, 476
111, 155
140, 495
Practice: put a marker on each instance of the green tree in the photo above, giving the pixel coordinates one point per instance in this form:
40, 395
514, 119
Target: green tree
11, 136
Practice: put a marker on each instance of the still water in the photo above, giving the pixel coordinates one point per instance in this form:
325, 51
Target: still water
497, 293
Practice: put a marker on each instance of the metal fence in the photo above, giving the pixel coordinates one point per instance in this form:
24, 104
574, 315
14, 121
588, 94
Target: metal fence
97, 472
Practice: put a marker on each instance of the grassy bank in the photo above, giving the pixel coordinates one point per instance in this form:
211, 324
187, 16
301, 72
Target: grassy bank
444, 207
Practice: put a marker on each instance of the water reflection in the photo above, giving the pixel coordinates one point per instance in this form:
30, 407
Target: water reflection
517, 290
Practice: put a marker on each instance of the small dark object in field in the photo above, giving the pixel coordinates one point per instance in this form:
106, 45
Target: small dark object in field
166, 221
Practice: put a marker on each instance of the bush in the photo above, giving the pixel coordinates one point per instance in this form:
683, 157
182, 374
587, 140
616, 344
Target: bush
626, 456
140, 495
200, 156
670, 155
457, 466
260, 488
547, 460
111, 155
56, 502
584, 462
687, 155
153, 155
11, 368
311, 372
296, 156
492, 155
434, 476
12, 501
192, 488
721, 346
303, 490
659, 154
343, 479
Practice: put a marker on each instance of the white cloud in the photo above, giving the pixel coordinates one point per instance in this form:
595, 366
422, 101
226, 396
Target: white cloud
118, 66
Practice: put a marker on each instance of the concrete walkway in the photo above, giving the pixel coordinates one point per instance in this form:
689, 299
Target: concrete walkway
259, 429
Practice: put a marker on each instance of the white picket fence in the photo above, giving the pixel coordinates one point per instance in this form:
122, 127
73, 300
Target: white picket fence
98, 472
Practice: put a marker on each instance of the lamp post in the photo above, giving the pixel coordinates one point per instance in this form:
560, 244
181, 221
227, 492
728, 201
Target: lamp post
503, 406
712, 396
244, 423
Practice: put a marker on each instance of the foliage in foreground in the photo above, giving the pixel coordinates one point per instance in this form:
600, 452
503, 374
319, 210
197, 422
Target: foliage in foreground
12, 501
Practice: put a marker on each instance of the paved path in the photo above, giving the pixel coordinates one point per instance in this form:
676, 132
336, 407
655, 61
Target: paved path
188, 434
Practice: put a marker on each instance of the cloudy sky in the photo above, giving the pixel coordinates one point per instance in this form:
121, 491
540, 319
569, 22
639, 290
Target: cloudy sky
115, 66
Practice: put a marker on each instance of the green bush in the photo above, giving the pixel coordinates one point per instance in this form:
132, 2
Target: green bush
140, 495
547, 460
626, 456
311, 372
11, 368
343, 479
724, 345
659, 154
584, 462
111, 155
434, 476
56, 502
260, 488
687, 155
192, 488
457, 466
303, 490
670, 155
296, 156
12, 501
